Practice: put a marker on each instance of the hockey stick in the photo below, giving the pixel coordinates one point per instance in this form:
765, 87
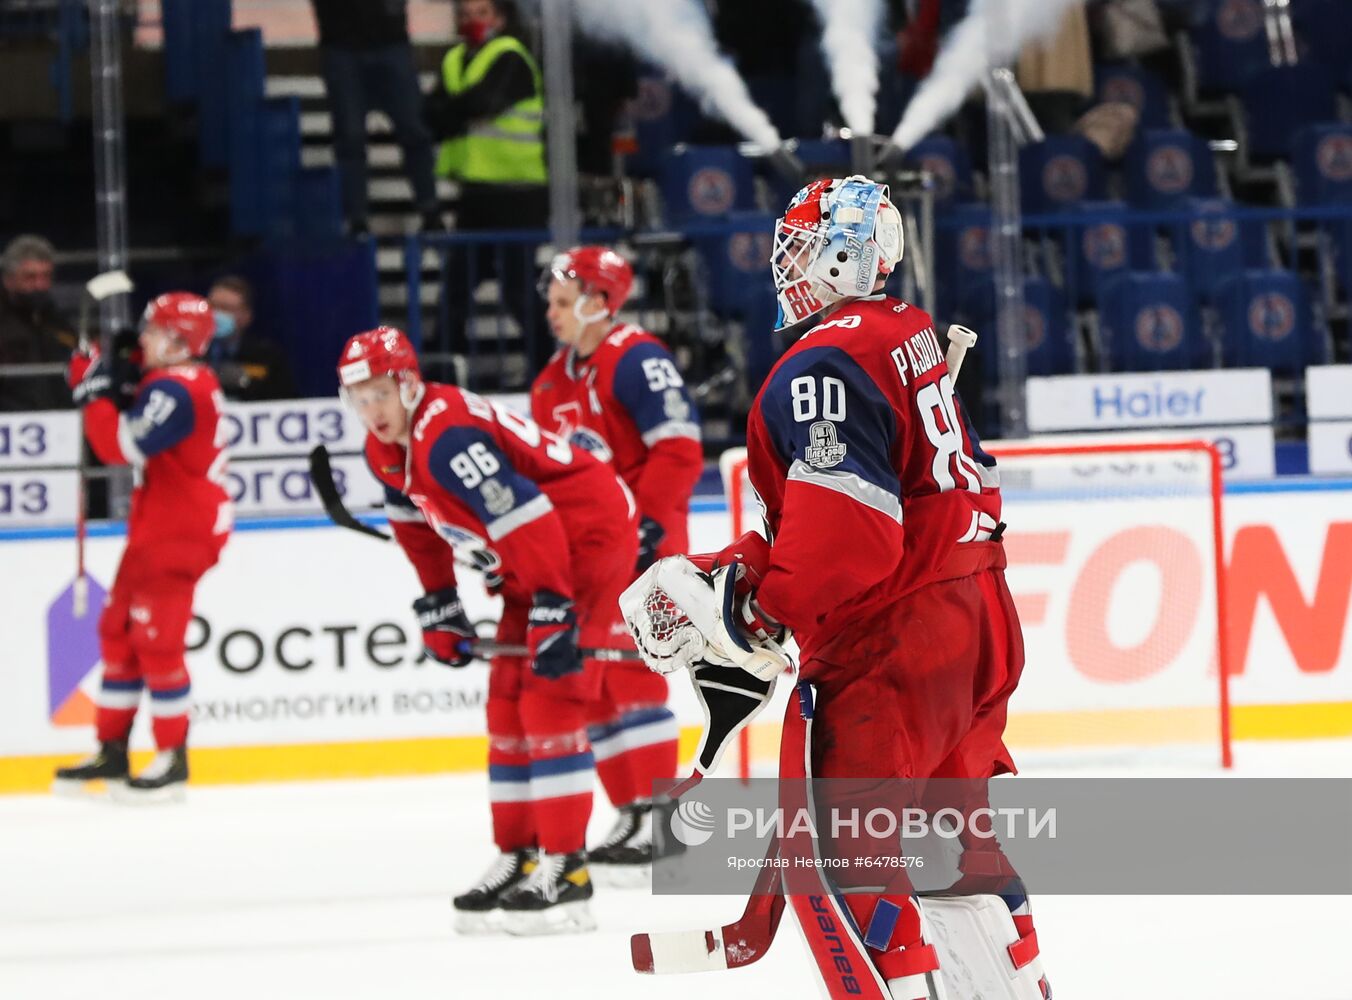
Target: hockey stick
484, 649
96, 289
732, 946
321, 475
960, 341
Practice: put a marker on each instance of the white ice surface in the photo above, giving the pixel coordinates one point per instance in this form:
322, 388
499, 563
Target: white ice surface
341, 890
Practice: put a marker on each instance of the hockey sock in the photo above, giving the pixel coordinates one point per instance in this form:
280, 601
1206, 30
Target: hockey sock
509, 793
169, 715
562, 771
118, 699
634, 750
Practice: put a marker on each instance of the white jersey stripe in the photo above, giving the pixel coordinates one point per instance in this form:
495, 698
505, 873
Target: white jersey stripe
531, 510
851, 485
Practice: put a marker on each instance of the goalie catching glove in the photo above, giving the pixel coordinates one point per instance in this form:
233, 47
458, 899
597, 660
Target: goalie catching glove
684, 612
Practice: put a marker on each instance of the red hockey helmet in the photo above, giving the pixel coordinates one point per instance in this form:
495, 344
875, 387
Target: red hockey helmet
597, 270
382, 351
186, 316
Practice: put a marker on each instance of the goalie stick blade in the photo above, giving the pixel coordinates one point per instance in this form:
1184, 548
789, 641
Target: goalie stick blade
321, 476
742, 942
735, 945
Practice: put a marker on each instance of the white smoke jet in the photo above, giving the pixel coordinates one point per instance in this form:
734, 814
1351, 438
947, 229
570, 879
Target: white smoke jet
993, 33
849, 42
676, 35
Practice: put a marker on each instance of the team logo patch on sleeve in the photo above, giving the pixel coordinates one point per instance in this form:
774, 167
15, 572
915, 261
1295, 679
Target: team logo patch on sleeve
498, 499
674, 405
825, 451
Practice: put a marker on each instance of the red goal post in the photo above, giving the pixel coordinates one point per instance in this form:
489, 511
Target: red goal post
1116, 563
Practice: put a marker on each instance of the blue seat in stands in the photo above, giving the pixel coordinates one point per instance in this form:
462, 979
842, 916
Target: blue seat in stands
1216, 245
735, 261
820, 158
1058, 172
1049, 350
1166, 166
1231, 44
1149, 322
700, 183
1138, 87
1267, 322
1105, 244
1322, 160
1280, 101
962, 255
662, 117
1324, 28
949, 163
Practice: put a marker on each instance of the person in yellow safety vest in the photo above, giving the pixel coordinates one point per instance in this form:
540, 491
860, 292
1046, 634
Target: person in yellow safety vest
488, 112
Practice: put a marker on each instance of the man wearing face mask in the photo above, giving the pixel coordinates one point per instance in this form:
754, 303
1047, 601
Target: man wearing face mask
32, 330
250, 368
488, 110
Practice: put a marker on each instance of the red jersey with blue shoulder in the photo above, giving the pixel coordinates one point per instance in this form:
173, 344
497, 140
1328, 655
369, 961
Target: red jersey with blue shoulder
480, 476
627, 403
173, 436
871, 477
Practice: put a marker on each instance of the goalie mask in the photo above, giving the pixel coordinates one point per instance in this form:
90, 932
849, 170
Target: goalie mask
837, 238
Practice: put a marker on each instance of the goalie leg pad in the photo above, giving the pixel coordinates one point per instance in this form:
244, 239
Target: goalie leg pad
980, 950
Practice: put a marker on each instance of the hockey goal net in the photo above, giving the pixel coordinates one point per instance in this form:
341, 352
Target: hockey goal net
1116, 567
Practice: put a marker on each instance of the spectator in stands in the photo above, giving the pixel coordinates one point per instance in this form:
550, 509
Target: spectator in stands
1057, 74
368, 64
488, 110
249, 367
32, 330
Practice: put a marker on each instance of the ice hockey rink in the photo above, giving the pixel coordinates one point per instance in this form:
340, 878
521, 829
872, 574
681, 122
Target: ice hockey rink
342, 890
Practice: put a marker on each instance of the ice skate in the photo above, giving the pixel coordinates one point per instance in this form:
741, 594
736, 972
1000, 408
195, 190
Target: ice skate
94, 775
625, 858
476, 911
553, 899
165, 779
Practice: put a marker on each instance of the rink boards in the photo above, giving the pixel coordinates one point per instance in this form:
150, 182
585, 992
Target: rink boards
305, 655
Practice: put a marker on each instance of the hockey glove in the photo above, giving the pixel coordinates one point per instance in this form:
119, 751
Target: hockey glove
93, 377
650, 535
552, 635
445, 628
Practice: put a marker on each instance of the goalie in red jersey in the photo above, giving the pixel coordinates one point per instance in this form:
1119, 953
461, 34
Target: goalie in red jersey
166, 424
555, 533
614, 389
885, 563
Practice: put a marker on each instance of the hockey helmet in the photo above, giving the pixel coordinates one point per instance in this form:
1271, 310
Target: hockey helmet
187, 316
386, 350
836, 239
598, 270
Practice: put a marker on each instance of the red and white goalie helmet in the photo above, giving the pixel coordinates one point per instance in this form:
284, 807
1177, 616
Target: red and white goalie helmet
599, 271
836, 239
382, 351
187, 316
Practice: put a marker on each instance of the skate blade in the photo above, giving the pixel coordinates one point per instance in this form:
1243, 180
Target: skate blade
621, 876
473, 923
563, 918
168, 795
99, 789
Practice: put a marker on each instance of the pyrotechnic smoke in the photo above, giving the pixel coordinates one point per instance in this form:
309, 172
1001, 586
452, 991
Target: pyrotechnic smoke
676, 35
991, 35
849, 42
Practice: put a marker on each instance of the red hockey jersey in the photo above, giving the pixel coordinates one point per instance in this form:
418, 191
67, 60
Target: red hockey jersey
488, 481
173, 436
871, 477
628, 405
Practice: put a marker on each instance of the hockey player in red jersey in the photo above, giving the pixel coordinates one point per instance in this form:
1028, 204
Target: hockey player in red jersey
165, 424
884, 562
555, 533
614, 389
